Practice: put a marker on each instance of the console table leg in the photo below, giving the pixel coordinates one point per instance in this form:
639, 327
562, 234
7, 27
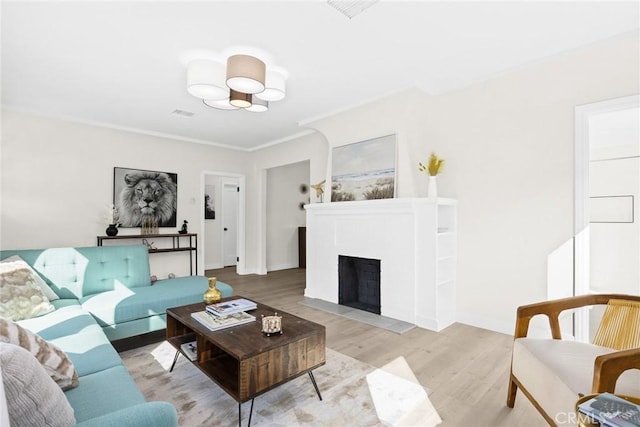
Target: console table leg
313, 380
240, 413
175, 359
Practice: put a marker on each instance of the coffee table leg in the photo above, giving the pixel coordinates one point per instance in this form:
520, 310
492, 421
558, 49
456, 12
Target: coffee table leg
240, 413
175, 359
313, 380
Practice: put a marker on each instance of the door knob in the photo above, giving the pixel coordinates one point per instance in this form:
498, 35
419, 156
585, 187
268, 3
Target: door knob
226, 229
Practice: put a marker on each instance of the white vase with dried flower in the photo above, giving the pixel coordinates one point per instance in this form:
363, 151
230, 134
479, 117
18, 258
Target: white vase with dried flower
433, 168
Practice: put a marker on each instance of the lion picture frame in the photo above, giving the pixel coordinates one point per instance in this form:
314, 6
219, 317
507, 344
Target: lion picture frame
145, 196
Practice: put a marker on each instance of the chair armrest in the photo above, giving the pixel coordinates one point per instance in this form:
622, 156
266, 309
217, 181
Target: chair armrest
553, 308
608, 367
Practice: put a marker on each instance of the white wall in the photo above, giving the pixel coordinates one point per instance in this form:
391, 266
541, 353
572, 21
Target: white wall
508, 143
57, 178
284, 215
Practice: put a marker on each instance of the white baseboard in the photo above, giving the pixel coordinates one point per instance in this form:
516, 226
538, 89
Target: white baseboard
285, 266
538, 328
491, 324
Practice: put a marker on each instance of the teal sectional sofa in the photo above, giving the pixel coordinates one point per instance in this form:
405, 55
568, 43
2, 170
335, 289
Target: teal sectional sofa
106, 294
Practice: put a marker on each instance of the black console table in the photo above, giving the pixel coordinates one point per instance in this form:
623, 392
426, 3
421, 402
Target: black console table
192, 247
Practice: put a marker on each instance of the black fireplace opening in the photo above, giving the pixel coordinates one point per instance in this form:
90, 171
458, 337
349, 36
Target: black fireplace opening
359, 283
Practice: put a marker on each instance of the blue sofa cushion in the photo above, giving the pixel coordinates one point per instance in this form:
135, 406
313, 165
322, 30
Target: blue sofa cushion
78, 272
104, 392
75, 331
124, 304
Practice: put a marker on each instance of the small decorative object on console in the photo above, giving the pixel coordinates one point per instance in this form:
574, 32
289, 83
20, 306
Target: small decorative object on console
171, 276
212, 294
272, 324
184, 230
149, 245
112, 230
149, 226
112, 218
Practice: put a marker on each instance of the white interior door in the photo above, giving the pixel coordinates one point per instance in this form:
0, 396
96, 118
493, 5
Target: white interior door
229, 222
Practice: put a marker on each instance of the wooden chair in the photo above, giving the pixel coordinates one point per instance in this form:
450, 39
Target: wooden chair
553, 373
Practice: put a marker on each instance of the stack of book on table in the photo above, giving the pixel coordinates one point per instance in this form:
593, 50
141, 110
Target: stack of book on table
226, 314
611, 411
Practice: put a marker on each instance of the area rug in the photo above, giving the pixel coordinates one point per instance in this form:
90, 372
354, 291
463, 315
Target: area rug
354, 393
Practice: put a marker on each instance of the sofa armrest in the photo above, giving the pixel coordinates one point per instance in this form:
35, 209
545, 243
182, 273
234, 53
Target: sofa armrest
149, 414
553, 308
608, 367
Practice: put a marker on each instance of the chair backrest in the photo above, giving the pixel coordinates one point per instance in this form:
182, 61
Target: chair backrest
620, 325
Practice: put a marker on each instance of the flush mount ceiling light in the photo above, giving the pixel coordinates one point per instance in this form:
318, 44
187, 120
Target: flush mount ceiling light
246, 82
239, 99
274, 87
258, 105
246, 74
206, 79
221, 104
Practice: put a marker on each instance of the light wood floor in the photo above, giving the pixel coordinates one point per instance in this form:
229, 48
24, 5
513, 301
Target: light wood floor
465, 368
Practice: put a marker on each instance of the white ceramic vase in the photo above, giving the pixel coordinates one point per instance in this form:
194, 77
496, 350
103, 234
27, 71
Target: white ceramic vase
432, 189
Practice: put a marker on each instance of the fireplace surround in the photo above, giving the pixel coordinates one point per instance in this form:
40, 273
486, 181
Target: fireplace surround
414, 240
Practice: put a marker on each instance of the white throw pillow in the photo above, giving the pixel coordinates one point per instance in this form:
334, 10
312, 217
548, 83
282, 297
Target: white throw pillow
33, 398
37, 280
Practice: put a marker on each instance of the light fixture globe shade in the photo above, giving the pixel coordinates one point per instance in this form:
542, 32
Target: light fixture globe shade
220, 104
258, 105
245, 74
206, 79
274, 87
239, 99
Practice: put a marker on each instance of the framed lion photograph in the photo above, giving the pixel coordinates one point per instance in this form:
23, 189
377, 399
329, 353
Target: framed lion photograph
145, 196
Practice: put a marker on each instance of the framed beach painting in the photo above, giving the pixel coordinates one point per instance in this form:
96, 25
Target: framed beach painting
365, 170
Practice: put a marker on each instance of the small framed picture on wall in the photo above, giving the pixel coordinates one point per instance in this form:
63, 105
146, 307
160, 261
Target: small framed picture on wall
209, 202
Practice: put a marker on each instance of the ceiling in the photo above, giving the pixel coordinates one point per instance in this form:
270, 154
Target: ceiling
121, 64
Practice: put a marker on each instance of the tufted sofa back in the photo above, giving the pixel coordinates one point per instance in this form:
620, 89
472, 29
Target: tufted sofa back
80, 272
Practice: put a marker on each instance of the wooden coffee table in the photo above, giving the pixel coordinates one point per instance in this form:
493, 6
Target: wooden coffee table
242, 360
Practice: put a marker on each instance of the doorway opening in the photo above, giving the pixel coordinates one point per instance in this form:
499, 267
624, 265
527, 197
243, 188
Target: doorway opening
223, 221
607, 185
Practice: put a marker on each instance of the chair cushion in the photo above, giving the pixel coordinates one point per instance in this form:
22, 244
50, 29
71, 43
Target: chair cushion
556, 371
33, 398
54, 361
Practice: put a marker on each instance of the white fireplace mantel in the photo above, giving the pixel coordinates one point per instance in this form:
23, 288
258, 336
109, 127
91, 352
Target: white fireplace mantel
415, 241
